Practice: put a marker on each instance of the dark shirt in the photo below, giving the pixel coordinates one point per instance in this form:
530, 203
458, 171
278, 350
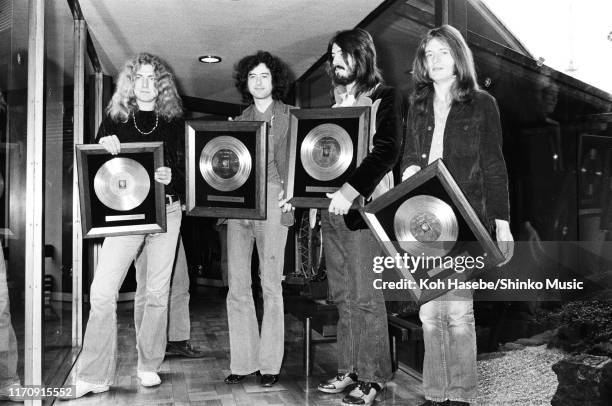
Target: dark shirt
171, 133
472, 151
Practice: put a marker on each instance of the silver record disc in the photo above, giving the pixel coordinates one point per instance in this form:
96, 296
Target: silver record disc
122, 184
326, 152
426, 225
225, 163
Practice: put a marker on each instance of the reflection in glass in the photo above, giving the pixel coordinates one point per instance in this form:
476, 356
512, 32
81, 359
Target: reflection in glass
13, 125
58, 166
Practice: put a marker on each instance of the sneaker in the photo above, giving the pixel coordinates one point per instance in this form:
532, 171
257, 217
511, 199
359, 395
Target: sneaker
183, 349
10, 392
82, 388
364, 393
148, 379
338, 384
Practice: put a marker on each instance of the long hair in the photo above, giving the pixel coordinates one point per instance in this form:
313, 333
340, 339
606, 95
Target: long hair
278, 69
465, 72
123, 103
359, 45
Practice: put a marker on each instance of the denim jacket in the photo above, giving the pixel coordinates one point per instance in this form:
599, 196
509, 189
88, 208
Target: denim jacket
472, 151
279, 130
277, 146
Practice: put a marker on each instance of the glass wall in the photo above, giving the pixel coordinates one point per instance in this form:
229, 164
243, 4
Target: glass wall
58, 135
396, 33
554, 126
557, 145
56, 300
13, 132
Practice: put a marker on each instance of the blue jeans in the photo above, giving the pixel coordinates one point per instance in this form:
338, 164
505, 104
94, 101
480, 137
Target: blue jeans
362, 333
179, 327
251, 350
98, 359
8, 341
449, 334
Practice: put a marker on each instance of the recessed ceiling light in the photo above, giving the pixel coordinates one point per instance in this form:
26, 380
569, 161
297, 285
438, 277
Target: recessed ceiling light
209, 59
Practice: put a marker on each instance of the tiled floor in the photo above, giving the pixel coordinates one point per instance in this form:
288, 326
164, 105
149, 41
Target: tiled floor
200, 381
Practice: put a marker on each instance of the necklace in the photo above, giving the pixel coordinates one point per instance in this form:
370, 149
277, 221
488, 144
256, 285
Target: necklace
145, 132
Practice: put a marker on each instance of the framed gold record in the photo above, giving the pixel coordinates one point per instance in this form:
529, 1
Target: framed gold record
118, 194
428, 223
226, 168
324, 148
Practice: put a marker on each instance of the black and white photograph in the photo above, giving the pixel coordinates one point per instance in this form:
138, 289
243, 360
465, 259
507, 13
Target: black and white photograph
306, 202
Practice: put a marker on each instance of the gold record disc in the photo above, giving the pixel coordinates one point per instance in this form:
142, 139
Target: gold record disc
225, 163
122, 184
426, 225
326, 152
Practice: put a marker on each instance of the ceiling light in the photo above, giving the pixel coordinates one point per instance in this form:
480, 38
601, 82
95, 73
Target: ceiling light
209, 59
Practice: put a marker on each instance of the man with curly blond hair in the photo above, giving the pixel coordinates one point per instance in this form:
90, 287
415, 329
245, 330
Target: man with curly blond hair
145, 107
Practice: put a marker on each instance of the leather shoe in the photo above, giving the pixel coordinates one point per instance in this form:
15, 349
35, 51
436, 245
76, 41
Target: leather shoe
268, 380
183, 349
235, 378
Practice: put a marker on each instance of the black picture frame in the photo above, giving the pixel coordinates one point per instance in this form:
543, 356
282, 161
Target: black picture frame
473, 238
203, 199
98, 220
303, 190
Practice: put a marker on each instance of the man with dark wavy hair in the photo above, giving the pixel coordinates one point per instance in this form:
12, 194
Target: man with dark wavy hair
350, 247
262, 79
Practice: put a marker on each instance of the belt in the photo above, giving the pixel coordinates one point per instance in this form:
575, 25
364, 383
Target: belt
171, 199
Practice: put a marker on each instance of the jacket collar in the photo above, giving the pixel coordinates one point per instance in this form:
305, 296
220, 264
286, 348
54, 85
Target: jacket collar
278, 107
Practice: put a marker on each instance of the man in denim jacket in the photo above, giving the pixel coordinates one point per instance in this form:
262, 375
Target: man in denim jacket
263, 80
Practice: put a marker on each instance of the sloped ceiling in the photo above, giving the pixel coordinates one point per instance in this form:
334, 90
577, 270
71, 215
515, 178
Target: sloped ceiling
181, 30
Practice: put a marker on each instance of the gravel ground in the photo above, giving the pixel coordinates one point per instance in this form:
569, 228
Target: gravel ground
519, 377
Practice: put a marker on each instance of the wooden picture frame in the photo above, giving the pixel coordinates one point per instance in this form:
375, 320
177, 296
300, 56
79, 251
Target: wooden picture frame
100, 220
473, 238
208, 197
302, 189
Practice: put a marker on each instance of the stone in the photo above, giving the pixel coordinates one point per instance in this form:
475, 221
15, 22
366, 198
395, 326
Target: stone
584, 380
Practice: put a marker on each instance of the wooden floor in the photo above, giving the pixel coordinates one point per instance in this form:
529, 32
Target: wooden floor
200, 381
